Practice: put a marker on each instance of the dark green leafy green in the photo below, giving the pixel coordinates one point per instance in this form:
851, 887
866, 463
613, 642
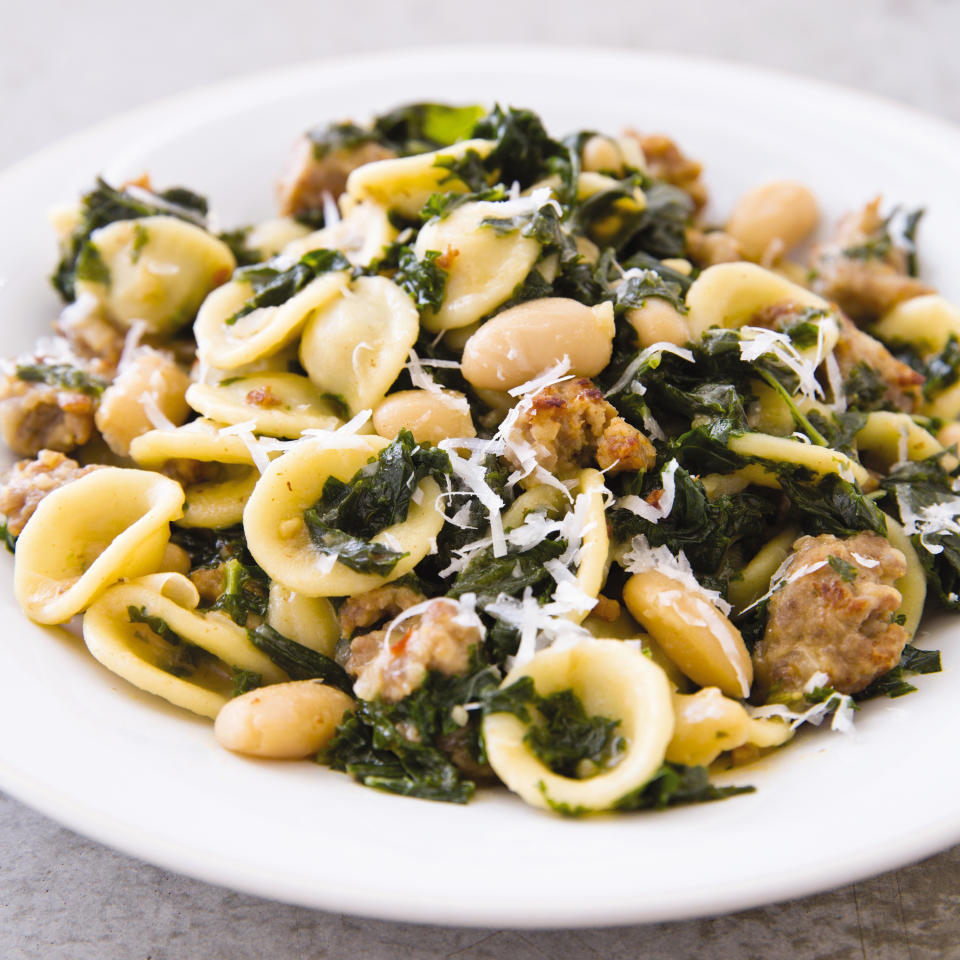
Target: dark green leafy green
524, 150
298, 661
348, 514
913, 661
418, 127
924, 487
405, 747
272, 287
847, 572
566, 739
829, 504
675, 784
9, 540
244, 681
245, 591
62, 375
424, 280
182, 658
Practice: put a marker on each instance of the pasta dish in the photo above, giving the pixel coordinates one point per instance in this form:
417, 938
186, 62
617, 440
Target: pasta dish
492, 459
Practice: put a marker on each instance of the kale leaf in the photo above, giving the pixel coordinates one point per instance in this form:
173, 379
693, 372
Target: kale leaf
245, 591
424, 280
567, 740
62, 375
298, 661
272, 287
348, 514
524, 149
406, 747
894, 683
675, 784
915, 488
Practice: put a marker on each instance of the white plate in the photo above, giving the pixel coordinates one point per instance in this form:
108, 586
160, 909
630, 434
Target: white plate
120, 766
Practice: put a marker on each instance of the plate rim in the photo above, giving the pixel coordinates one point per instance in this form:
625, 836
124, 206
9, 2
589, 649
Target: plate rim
139, 842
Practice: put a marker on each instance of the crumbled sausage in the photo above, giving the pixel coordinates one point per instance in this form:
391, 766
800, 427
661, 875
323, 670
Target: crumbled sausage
707, 247
91, 336
665, 161
854, 347
29, 481
374, 606
35, 416
151, 377
569, 424
438, 639
903, 382
864, 276
309, 176
209, 583
833, 615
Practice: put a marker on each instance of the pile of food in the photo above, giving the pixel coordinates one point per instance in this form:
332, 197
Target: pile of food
490, 459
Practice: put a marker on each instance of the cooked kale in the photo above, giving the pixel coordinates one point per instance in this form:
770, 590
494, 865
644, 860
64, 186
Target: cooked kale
272, 287
846, 571
703, 529
62, 375
568, 741
424, 280
245, 681
829, 504
404, 747
348, 514
418, 127
9, 540
300, 662
182, 658
524, 149
675, 784
913, 661
916, 489
208, 548
245, 591
864, 388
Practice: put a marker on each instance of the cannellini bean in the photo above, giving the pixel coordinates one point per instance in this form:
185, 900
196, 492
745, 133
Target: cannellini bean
285, 721
693, 633
430, 415
658, 322
524, 340
782, 212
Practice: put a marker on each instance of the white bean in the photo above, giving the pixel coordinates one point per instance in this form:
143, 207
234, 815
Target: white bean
693, 633
524, 340
782, 212
431, 416
284, 721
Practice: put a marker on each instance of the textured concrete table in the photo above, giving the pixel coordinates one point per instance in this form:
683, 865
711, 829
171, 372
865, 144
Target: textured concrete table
65, 65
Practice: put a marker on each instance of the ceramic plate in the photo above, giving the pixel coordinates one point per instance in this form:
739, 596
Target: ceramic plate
81, 745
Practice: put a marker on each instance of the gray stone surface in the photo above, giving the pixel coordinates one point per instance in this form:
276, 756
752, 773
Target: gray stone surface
65, 65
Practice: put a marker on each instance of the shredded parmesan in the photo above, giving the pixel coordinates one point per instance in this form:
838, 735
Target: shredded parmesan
654, 513
643, 357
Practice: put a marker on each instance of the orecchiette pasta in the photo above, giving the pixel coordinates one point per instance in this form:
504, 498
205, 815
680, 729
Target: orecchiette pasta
119, 629
278, 536
731, 294
228, 343
612, 680
156, 270
483, 263
279, 404
356, 346
708, 723
72, 549
406, 184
